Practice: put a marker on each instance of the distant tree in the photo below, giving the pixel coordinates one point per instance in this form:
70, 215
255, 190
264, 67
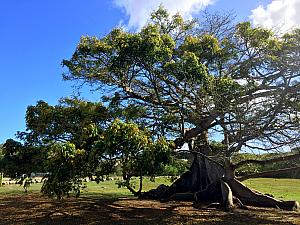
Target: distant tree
1, 164
66, 134
18, 159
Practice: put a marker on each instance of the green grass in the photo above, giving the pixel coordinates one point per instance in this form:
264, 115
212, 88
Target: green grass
110, 188
16, 189
103, 189
285, 189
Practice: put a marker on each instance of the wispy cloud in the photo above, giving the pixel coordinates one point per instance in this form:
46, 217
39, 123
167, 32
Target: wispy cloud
140, 10
281, 15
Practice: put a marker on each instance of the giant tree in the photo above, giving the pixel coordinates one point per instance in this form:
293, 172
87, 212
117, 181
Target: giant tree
193, 80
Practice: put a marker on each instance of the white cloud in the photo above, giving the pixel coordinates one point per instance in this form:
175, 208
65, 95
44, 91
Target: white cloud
280, 15
140, 10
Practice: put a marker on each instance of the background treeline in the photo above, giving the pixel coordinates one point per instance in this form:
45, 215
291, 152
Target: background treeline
255, 168
17, 159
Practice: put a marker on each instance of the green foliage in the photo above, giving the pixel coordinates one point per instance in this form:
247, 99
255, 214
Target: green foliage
78, 141
165, 65
248, 168
127, 145
175, 74
64, 122
120, 144
64, 167
176, 168
256, 37
20, 159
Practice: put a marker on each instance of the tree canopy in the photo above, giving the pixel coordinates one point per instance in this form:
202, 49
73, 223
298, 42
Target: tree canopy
67, 121
190, 79
82, 139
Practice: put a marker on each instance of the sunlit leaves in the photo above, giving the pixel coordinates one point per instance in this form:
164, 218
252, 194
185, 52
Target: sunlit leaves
71, 120
133, 147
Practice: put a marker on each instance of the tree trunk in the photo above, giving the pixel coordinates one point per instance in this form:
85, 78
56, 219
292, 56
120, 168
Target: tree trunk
199, 176
131, 189
210, 183
1, 178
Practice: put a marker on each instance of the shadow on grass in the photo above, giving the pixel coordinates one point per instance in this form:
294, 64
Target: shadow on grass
113, 209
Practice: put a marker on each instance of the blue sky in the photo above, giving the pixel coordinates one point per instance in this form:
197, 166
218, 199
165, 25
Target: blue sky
35, 36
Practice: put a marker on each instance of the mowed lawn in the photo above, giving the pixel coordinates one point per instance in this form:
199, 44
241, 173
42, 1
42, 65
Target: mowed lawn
284, 189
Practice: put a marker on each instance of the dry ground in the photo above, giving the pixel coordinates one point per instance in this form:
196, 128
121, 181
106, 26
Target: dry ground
34, 209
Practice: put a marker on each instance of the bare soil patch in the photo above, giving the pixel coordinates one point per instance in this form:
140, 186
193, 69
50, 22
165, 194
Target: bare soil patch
34, 209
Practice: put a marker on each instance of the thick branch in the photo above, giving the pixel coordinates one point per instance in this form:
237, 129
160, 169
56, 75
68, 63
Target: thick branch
149, 99
204, 125
269, 173
267, 161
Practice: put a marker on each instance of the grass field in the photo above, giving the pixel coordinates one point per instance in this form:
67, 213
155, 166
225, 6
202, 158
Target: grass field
284, 189
104, 203
104, 189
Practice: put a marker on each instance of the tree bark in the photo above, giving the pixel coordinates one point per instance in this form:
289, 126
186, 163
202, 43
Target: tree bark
200, 175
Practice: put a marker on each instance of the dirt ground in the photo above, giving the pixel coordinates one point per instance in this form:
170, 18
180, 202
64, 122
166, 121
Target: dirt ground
34, 209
